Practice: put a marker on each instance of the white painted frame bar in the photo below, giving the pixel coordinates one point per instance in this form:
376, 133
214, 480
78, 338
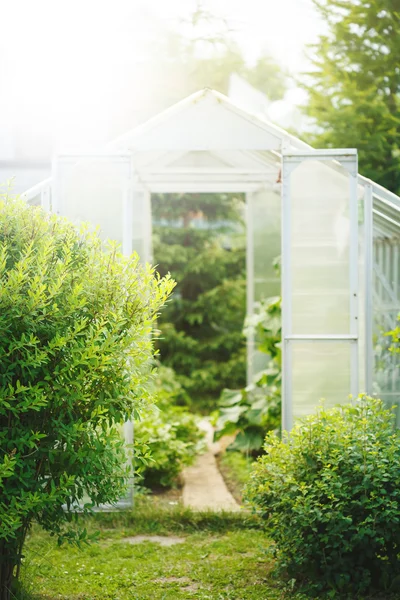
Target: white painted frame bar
347, 159
286, 283
368, 291
323, 338
250, 341
351, 165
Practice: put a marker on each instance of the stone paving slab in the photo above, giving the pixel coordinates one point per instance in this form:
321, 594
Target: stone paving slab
163, 540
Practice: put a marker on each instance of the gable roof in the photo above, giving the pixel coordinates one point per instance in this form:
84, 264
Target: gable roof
206, 120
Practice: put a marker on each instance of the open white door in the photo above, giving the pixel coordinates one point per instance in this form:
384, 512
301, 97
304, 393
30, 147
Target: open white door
320, 288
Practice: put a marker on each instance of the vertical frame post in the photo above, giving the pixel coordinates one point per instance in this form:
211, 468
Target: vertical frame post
287, 412
354, 285
148, 242
368, 265
127, 231
250, 283
127, 217
55, 191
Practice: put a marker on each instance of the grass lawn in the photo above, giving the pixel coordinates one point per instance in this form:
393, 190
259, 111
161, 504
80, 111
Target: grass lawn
222, 556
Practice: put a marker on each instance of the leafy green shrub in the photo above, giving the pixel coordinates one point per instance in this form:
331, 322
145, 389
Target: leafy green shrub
170, 434
330, 494
75, 349
256, 409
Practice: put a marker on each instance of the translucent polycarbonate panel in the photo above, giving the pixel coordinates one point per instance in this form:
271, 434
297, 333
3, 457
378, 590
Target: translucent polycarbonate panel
92, 190
35, 200
321, 370
266, 215
386, 307
39, 195
141, 225
263, 248
319, 249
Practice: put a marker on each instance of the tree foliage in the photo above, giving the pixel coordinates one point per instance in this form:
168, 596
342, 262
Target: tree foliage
201, 327
76, 350
354, 88
207, 55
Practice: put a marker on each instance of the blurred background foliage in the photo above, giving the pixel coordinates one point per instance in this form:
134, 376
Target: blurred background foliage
200, 240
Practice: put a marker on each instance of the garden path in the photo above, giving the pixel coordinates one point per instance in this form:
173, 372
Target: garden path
204, 487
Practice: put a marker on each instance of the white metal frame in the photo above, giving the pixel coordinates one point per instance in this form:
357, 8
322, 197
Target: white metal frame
347, 158
250, 284
368, 287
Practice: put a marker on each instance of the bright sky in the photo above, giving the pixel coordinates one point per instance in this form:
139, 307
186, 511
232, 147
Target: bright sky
282, 27
60, 60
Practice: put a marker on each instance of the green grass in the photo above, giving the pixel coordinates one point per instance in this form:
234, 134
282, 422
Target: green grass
223, 557
155, 515
235, 468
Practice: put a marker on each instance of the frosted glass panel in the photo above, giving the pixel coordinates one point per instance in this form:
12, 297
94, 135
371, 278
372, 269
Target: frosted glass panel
141, 225
266, 213
263, 247
386, 307
92, 191
320, 370
319, 252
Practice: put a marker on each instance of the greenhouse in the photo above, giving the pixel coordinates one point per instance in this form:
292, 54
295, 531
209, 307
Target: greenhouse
338, 234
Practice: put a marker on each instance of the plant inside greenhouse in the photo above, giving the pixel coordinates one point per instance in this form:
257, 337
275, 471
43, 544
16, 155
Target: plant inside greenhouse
251, 412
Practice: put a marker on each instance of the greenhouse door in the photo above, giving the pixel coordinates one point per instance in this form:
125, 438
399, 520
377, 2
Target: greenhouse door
320, 331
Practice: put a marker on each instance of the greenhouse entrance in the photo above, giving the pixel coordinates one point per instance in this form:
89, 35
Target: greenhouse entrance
339, 244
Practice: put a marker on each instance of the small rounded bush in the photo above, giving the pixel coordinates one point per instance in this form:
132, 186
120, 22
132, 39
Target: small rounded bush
173, 440
330, 495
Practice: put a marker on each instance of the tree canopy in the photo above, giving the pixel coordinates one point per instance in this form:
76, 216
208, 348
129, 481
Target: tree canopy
354, 88
208, 57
